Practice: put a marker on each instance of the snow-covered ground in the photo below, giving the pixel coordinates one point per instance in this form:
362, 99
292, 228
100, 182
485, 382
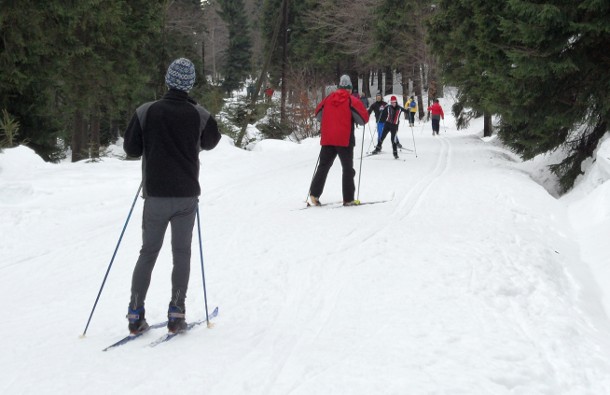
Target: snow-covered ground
470, 279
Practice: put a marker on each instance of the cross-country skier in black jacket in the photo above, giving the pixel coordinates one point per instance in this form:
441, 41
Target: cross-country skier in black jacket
168, 134
391, 118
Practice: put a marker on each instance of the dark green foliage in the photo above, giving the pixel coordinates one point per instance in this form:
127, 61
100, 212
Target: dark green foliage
540, 66
559, 84
239, 53
272, 127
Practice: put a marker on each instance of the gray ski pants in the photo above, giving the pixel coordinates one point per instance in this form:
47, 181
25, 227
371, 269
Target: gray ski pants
158, 213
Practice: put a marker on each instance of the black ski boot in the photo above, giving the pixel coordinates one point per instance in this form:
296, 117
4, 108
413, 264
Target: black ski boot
395, 155
137, 322
175, 319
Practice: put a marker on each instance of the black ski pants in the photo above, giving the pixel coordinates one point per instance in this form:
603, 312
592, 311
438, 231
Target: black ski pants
328, 153
392, 129
436, 124
159, 212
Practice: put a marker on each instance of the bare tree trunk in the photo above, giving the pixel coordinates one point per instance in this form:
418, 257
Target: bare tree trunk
487, 126
380, 81
366, 82
389, 81
78, 138
404, 82
284, 61
417, 89
353, 75
95, 135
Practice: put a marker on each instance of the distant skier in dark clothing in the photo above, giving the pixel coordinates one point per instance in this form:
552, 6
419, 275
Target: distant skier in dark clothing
437, 113
377, 108
168, 134
391, 118
337, 113
364, 100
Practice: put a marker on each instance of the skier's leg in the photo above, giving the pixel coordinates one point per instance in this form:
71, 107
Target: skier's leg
346, 156
155, 218
394, 146
327, 157
386, 130
182, 223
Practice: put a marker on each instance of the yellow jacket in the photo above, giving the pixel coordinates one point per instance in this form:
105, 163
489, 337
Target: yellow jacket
408, 105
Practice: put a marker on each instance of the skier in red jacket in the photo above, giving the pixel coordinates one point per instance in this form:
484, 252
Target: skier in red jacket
337, 113
437, 113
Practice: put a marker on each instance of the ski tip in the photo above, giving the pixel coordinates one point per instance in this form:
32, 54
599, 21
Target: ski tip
357, 202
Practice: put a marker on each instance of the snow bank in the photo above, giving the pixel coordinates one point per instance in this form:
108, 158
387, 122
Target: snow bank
15, 163
273, 145
18, 160
589, 212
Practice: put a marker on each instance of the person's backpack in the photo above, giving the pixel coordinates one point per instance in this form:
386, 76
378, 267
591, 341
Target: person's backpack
413, 104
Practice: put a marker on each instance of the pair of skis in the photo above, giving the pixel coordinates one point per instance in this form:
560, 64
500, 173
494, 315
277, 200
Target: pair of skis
340, 204
165, 338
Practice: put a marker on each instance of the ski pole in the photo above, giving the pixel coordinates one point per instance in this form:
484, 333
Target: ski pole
414, 148
370, 131
205, 295
312, 176
112, 260
444, 125
372, 138
360, 171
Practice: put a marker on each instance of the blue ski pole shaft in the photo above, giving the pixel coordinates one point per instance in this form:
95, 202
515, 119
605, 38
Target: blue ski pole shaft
112, 260
205, 295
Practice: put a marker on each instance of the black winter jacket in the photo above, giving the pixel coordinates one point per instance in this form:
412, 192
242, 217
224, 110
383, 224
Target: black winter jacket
169, 134
377, 107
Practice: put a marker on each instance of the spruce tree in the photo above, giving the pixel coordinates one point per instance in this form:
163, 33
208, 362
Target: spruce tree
557, 90
239, 55
465, 36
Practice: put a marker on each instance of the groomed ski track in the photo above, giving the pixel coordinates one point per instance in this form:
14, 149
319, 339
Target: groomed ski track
464, 282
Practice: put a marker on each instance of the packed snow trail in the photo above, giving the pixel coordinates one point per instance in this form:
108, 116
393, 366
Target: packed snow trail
462, 283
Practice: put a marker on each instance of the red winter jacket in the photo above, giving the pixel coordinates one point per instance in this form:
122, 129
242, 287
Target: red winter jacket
337, 114
436, 109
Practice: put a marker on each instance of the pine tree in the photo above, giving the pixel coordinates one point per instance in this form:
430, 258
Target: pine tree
465, 36
238, 60
30, 62
558, 86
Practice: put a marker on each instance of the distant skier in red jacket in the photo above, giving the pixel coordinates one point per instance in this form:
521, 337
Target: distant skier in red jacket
337, 113
437, 113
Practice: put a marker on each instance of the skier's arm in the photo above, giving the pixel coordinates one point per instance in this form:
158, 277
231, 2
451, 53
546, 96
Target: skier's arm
384, 115
359, 113
210, 136
319, 109
132, 143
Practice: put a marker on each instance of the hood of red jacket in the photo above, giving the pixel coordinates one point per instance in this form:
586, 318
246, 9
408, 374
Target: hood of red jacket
339, 98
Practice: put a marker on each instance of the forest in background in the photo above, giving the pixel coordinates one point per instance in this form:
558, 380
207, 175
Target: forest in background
72, 73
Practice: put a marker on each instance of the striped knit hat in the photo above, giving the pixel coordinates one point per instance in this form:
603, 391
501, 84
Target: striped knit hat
180, 75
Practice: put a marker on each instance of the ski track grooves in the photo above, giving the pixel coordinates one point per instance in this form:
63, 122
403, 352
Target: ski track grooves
408, 205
